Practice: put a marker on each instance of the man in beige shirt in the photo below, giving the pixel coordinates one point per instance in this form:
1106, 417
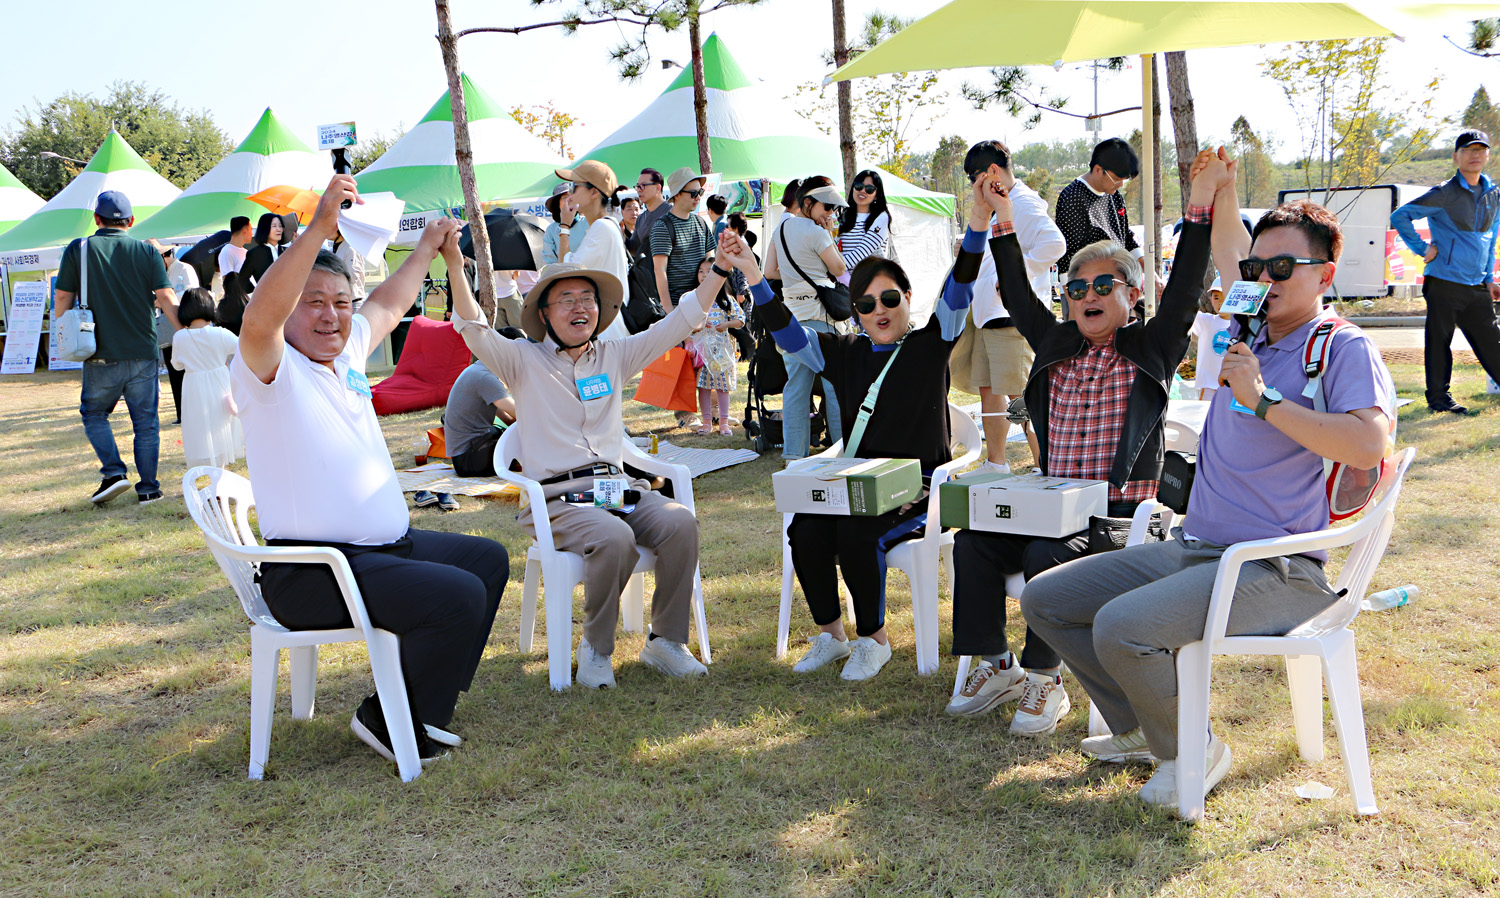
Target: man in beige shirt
567, 388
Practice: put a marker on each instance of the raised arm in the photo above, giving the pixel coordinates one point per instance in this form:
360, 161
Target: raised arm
958, 290
1229, 239
276, 295
388, 303
1179, 299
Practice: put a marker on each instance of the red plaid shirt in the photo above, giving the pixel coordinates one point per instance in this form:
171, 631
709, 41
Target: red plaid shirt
1087, 398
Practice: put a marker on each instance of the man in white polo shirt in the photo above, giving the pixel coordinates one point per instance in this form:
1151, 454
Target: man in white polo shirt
323, 476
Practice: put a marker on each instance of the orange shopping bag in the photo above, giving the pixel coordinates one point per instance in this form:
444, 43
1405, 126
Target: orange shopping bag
670, 382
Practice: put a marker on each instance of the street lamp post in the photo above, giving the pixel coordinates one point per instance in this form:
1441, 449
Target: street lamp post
48, 154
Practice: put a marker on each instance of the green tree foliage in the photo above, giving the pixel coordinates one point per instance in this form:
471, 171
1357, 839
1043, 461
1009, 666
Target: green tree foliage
549, 123
946, 173
1257, 183
1022, 95
1071, 155
180, 144
1485, 116
1483, 36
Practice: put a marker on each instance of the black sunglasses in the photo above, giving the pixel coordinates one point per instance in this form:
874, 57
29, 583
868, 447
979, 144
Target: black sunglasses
1280, 267
864, 188
974, 175
694, 193
1103, 285
888, 298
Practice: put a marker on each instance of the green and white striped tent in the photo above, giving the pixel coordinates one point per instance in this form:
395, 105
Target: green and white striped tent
70, 214
422, 168
16, 202
269, 156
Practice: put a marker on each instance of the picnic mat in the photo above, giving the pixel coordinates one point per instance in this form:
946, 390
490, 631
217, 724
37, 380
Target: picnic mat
439, 478
698, 461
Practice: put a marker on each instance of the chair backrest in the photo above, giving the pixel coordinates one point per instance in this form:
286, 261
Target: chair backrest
221, 509
1372, 533
962, 430
506, 448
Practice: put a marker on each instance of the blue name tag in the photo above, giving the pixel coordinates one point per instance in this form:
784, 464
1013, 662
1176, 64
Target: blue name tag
1240, 407
595, 387
358, 383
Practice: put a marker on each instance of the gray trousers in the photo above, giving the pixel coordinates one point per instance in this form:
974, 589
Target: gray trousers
1118, 619
607, 542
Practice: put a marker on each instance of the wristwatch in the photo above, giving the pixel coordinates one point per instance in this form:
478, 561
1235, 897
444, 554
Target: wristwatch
1268, 397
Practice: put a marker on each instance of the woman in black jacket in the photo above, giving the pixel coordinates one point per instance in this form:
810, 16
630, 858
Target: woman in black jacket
265, 247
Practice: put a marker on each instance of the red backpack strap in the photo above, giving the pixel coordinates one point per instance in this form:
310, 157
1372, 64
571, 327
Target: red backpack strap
1315, 352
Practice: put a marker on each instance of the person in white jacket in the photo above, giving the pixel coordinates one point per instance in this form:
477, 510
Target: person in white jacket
1001, 358
603, 246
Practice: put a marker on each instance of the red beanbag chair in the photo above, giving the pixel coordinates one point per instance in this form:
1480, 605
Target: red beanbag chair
433, 358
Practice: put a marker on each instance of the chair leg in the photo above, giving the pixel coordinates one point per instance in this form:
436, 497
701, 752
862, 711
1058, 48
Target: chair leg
528, 603
963, 674
945, 561
633, 604
924, 611
1342, 672
1304, 676
784, 615
558, 595
385, 663
265, 657
700, 617
1097, 726
304, 663
1194, 667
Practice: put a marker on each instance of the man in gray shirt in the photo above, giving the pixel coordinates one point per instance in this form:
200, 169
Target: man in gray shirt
469, 430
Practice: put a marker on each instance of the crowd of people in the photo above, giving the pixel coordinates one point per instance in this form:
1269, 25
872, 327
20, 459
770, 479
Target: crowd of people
630, 273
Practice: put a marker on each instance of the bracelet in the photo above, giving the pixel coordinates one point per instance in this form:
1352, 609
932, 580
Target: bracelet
720, 272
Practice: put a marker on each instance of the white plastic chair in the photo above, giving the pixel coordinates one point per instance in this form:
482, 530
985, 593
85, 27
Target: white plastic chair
221, 509
917, 558
1322, 649
563, 571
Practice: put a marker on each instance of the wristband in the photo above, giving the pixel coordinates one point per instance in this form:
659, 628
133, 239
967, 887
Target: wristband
720, 272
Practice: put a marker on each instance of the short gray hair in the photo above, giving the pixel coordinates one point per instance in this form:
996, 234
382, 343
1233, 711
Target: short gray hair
1124, 261
332, 264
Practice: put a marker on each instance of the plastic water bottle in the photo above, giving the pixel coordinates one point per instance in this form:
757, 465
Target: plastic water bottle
1390, 598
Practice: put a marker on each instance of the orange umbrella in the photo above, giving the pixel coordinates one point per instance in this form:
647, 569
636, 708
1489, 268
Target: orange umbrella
284, 198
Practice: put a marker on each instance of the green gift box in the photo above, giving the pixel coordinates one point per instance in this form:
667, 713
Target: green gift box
853, 486
1028, 505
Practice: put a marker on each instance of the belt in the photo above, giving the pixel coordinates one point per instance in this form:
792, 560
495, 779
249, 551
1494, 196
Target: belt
996, 323
599, 470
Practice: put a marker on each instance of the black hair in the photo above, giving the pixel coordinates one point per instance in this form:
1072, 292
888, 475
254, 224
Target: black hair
808, 186
1116, 156
716, 204
327, 261
871, 267
120, 223
789, 195
1319, 224
877, 206
984, 154
654, 175
263, 228
237, 223
750, 240
738, 223
721, 299
196, 304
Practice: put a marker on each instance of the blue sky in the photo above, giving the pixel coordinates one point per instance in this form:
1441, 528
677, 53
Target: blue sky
376, 61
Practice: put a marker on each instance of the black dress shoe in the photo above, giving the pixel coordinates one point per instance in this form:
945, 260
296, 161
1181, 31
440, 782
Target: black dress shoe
1452, 407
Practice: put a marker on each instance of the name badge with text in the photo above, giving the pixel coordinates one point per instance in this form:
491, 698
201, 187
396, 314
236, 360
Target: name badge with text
596, 387
609, 492
357, 382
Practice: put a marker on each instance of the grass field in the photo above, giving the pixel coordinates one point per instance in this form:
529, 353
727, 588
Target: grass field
124, 699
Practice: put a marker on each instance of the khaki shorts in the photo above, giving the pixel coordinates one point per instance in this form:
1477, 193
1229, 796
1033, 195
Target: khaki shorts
1002, 359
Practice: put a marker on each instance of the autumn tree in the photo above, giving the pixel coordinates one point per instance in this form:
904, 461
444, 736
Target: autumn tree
1255, 171
548, 123
946, 173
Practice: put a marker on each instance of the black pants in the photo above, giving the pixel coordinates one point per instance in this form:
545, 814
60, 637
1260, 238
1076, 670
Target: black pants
858, 544
479, 459
174, 377
1469, 308
981, 562
437, 591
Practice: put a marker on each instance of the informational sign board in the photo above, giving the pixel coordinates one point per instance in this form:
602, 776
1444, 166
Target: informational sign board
340, 134
25, 332
54, 363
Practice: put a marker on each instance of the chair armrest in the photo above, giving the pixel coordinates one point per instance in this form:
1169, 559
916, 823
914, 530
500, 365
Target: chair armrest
1140, 522
941, 475
679, 476
343, 575
538, 502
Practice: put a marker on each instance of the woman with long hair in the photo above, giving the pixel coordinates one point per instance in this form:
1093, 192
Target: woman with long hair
265, 247
865, 226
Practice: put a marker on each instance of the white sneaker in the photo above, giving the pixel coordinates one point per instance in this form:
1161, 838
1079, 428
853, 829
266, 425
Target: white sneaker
866, 658
1117, 749
1043, 702
994, 467
826, 648
671, 658
594, 669
987, 688
1161, 789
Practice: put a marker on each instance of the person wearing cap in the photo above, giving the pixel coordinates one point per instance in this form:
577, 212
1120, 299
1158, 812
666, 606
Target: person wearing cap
806, 235
679, 240
1458, 282
568, 388
323, 476
1091, 208
553, 247
127, 284
602, 247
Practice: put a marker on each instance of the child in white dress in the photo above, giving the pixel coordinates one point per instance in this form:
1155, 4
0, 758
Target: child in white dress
210, 428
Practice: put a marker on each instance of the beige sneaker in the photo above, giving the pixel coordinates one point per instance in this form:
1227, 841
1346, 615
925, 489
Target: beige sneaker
1117, 749
1161, 789
987, 688
671, 658
1043, 703
594, 669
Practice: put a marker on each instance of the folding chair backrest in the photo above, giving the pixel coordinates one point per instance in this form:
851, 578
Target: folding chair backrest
962, 430
506, 448
221, 509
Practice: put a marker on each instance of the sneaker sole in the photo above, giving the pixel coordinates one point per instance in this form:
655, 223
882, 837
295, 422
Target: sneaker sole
443, 737
369, 738
1216, 773
998, 699
150, 501
860, 679
113, 492
606, 684
1067, 705
425, 503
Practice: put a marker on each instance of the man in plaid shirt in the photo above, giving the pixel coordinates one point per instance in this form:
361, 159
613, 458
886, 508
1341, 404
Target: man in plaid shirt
1097, 396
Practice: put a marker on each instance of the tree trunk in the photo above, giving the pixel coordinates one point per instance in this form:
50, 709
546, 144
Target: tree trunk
846, 123
1155, 217
464, 152
700, 94
1184, 126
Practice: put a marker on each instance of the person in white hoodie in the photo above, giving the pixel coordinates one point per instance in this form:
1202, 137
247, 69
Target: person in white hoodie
603, 246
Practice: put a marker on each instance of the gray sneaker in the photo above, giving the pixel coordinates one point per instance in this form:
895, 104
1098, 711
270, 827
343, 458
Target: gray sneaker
671, 658
1117, 749
987, 688
594, 669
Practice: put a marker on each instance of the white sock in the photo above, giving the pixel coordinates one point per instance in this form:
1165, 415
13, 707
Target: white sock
1000, 467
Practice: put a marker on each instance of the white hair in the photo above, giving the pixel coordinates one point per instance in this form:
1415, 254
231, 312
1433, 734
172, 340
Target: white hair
1124, 261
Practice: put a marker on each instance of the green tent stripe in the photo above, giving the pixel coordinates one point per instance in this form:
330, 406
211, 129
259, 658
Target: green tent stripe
9, 180
720, 71
440, 188
477, 103
53, 227
737, 159
270, 136
201, 213
116, 155
935, 205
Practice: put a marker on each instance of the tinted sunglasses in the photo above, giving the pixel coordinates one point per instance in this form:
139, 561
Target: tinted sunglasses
1103, 285
864, 188
694, 193
1280, 267
888, 298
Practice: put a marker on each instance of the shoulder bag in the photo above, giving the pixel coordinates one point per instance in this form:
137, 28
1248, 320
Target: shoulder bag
74, 329
835, 299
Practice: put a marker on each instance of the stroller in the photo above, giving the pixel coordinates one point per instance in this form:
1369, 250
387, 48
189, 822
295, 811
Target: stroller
766, 376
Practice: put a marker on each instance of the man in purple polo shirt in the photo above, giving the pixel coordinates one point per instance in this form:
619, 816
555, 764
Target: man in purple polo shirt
1117, 619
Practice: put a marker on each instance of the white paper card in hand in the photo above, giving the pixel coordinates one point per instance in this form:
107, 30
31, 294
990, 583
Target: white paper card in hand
371, 225
1244, 298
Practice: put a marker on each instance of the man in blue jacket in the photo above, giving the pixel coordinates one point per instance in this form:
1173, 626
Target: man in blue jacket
1458, 283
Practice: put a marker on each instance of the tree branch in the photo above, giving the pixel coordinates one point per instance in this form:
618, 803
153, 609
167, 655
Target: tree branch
1481, 55
568, 23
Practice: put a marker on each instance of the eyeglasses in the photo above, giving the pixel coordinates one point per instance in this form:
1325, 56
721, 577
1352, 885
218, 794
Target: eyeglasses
644, 185
1103, 285
864, 188
974, 176
1280, 267
575, 302
694, 193
888, 298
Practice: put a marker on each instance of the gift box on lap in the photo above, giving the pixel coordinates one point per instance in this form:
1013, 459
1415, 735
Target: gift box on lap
1029, 504
847, 486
